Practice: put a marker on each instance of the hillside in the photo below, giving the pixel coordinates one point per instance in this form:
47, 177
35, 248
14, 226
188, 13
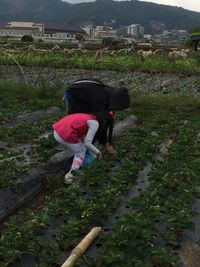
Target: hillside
100, 12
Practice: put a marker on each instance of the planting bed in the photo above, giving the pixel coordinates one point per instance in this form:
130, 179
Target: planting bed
146, 197
31, 182
144, 82
102, 61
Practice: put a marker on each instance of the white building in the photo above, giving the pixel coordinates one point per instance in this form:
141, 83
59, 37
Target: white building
147, 36
90, 31
40, 30
31, 25
182, 34
135, 30
102, 31
18, 29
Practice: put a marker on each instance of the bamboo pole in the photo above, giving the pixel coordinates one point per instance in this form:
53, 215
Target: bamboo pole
80, 249
18, 66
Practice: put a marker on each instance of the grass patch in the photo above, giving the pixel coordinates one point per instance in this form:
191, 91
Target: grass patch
161, 101
17, 98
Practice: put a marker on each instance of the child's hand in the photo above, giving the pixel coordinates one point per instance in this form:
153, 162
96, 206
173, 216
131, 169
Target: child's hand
99, 155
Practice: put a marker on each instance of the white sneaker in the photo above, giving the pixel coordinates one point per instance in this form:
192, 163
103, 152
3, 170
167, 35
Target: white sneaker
69, 178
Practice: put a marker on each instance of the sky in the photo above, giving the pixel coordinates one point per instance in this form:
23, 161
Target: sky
187, 4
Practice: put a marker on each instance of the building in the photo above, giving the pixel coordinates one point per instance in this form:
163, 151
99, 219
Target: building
18, 29
90, 31
31, 25
135, 30
157, 26
40, 30
62, 31
147, 36
182, 34
100, 31
167, 35
103, 31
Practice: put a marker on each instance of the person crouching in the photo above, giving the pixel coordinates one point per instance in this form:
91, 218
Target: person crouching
77, 133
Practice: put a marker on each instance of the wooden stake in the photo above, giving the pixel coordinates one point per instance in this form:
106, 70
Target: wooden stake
80, 249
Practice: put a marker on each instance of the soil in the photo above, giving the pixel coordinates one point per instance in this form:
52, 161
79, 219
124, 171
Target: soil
190, 256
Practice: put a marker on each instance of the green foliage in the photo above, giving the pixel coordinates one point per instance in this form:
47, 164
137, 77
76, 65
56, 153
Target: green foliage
195, 34
100, 187
195, 30
110, 41
130, 62
136, 230
167, 102
19, 90
27, 39
133, 235
18, 98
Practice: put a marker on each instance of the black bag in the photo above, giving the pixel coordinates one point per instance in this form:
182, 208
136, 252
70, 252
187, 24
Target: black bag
92, 96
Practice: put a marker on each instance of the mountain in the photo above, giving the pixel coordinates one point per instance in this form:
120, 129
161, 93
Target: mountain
100, 12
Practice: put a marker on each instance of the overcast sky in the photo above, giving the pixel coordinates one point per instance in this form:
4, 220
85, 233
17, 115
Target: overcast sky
187, 4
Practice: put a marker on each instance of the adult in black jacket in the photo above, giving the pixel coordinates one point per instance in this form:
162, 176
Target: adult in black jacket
93, 96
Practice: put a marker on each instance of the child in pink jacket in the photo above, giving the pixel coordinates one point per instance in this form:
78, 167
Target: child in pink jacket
77, 132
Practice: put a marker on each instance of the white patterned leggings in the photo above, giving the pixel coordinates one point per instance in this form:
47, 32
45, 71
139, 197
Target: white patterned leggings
78, 149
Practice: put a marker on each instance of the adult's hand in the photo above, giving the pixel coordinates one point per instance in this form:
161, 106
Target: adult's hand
110, 150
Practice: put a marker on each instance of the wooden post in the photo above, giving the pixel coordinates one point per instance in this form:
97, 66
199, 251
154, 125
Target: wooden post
80, 249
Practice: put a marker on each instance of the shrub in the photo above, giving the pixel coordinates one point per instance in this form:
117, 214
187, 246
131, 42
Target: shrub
27, 38
110, 41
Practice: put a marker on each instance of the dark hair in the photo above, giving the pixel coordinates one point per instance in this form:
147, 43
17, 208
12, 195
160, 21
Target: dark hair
106, 122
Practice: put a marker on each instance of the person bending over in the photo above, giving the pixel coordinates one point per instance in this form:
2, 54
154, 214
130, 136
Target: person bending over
77, 132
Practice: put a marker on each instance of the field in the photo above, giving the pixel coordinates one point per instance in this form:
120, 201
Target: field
145, 198
104, 60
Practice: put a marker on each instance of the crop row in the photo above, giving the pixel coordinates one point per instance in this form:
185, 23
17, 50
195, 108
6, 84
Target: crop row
131, 62
23, 141
92, 199
19, 98
79, 212
152, 229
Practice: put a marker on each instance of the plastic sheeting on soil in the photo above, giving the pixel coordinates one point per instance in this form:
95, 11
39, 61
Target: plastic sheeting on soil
32, 116
31, 183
